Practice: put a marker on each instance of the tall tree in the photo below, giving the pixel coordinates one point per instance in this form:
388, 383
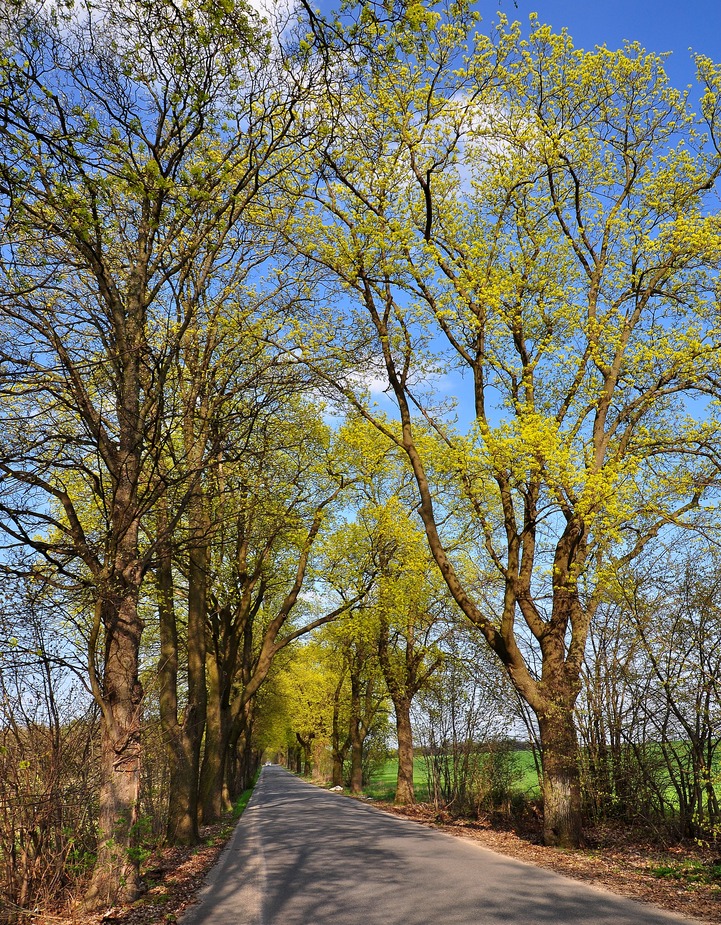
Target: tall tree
278, 497
535, 217
409, 605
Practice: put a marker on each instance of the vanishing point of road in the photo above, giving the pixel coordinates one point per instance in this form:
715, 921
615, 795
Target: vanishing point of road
304, 856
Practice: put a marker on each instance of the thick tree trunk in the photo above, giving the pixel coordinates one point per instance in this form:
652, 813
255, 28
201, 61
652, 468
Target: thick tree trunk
241, 760
337, 772
356, 757
340, 741
239, 765
185, 774
405, 793
213, 797
562, 820
116, 877
356, 737
182, 822
183, 738
183, 816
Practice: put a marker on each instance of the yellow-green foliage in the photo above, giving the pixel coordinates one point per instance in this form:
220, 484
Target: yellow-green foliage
537, 215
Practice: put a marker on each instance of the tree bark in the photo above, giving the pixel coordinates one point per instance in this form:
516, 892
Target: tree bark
213, 796
561, 779
356, 736
340, 741
184, 737
405, 793
241, 763
116, 877
183, 810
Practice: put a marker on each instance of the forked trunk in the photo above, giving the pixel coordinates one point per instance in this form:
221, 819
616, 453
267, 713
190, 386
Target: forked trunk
305, 747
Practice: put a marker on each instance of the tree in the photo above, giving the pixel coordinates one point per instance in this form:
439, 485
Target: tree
534, 217
134, 136
409, 602
667, 733
410, 607
306, 687
282, 494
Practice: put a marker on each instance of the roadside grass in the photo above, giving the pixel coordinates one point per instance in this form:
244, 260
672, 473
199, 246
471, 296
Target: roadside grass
688, 871
231, 819
382, 785
242, 801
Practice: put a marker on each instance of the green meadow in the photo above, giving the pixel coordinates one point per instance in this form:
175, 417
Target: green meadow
382, 785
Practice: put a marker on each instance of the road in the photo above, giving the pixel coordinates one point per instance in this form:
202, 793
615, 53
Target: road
304, 856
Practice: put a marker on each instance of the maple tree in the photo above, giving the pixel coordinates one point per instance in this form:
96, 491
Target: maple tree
534, 218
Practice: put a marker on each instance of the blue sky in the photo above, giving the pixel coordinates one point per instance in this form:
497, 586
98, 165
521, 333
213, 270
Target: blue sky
660, 25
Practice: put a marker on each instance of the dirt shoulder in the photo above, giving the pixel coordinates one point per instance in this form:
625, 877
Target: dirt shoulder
681, 879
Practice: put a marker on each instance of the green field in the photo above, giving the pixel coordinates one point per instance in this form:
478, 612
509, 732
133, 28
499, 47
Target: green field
382, 785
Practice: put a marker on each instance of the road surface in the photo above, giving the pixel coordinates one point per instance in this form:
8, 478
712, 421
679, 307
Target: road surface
304, 856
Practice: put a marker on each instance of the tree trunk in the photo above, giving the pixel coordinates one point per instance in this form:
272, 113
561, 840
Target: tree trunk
339, 747
305, 745
240, 764
405, 794
213, 796
183, 738
182, 823
356, 737
337, 772
561, 780
116, 877
185, 780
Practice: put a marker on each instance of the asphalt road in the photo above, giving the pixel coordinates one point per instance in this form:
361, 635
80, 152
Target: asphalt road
304, 856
